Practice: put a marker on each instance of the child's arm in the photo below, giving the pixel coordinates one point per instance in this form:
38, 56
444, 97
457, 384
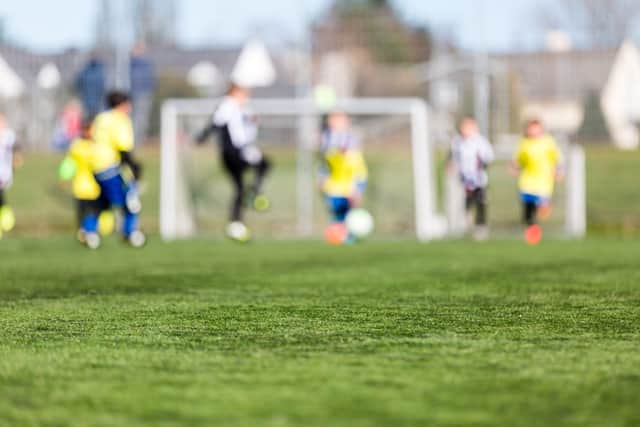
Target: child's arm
18, 160
487, 155
558, 159
518, 162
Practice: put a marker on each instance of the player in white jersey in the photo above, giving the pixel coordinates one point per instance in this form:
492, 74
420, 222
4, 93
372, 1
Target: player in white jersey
8, 160
471, 154
238, 133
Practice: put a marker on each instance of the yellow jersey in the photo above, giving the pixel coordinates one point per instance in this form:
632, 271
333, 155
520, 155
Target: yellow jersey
83, 185
113, 133
346, 171
538, 159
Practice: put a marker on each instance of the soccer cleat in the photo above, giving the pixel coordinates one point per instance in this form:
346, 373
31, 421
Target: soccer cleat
238, 232
261, 203
481, 233
7, 219
137, 239
92, 241
533, 235
337, 234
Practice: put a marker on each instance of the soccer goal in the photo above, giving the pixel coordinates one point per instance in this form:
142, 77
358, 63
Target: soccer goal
410, 193
402, 194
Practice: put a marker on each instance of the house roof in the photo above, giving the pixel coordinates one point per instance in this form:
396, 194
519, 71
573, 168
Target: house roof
567, 76
27, 64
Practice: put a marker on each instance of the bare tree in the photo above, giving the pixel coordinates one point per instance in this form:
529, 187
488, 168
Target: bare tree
155, 21
593, 23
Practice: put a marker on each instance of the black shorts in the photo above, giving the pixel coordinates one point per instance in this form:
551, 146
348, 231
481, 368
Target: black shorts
90, 207
476, 197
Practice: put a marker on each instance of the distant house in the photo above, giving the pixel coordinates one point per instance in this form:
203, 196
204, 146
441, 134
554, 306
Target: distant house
555, 86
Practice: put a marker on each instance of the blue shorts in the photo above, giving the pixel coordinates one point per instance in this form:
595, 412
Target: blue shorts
533, 199
339, 207
114, 192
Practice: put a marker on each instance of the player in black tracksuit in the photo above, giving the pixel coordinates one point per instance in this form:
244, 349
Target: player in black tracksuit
238, 131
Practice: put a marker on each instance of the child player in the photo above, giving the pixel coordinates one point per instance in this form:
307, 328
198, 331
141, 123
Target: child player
113, 149
238, 132
344, 174
8, 160
86, 191
471, 155
538, 162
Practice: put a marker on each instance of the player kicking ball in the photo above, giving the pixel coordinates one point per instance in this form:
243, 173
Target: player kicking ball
538, 163
238, 131
343, 175
90, 207
113, 149
9, 159
471, 154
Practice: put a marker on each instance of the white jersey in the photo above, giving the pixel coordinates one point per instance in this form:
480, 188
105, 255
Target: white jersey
239, 129
471, 157
7, 146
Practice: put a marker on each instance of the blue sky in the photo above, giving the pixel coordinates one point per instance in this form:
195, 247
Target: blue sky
57, 24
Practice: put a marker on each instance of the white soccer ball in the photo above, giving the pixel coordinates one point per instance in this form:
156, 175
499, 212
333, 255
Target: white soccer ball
360, 223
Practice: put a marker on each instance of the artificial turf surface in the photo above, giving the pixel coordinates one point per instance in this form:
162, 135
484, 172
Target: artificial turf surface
296, 333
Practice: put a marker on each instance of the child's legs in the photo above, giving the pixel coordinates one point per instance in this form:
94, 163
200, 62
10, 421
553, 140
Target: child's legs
480, 196
235, 169
531, 203
114, 193
88, 215
262, 170
339, 207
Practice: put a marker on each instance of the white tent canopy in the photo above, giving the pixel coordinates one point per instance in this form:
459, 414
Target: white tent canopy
49, 77
254, 67
11, 85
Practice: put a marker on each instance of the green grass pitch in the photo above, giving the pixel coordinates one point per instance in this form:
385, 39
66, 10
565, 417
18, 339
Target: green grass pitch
295, 333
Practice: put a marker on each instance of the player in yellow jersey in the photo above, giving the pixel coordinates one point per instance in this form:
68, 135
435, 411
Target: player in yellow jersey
113, 149
539, 165
90, 207
344, 174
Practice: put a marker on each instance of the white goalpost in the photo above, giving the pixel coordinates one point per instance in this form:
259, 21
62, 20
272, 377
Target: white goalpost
176, 217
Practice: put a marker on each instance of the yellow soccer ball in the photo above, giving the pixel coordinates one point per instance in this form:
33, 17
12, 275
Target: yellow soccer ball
106, 223
7, 219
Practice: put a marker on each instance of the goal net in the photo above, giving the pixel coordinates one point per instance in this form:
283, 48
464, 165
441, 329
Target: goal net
410, 193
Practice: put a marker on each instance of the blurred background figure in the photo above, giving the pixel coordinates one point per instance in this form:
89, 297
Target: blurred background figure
343, 172
69, 126
143, 85
90, 85
112, 159
471, 154
538, 163
237, 130
8, 161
